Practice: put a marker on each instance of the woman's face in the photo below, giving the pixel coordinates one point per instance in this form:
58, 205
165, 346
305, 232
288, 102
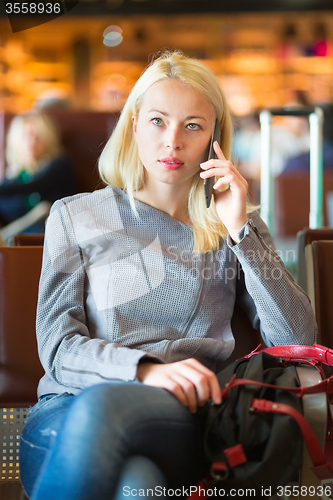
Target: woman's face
34, 147
173, 131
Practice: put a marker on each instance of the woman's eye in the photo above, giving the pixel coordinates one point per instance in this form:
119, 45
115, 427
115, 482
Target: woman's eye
193, 126
157, 121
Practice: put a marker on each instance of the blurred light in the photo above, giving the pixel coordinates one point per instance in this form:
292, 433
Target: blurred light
110, 29
112, 36
115, 82
240, 104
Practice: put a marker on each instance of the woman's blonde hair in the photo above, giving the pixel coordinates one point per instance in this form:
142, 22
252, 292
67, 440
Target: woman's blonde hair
47, 132
120, 165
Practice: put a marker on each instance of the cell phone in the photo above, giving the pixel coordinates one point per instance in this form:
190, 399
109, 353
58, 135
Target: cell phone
209, 183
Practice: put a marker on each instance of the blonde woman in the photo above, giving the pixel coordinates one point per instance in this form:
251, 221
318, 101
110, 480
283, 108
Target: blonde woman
136, 297
37, 167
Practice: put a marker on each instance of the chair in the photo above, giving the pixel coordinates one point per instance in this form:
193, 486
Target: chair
28, 239
304, 238
319, 260
292, 201
84, 135
20, 369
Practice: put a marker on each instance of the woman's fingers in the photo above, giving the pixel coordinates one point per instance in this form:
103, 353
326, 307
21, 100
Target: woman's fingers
189, 381
204, 380
218, 151
231, 202
224, 175
185, 391
222, 168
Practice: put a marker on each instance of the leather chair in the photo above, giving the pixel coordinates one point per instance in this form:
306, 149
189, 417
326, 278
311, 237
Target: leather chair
28, 239
292, 201
20, 369
305, 238
319, 258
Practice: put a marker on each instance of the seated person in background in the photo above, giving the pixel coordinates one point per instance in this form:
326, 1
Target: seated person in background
37, 168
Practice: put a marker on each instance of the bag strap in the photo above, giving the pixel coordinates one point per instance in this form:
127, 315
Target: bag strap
321, 467
297, 352
325, 385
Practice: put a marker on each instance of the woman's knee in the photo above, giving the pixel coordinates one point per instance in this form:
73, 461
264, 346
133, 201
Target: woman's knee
132, 417
126, 405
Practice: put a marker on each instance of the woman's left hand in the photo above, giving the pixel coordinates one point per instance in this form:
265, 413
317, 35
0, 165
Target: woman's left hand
231, 203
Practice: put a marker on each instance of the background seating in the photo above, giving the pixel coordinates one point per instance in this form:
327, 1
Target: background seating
305, 238
28, 239
83, 133
319, 259
20, 369
292, 201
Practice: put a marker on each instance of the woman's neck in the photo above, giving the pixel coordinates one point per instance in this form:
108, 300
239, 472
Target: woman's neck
171, 200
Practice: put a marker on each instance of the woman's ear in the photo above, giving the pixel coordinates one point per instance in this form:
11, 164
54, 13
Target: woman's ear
135, 123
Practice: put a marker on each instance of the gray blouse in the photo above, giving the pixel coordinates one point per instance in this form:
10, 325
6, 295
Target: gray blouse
116, 287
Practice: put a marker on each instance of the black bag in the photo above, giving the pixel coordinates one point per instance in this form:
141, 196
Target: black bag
254, 438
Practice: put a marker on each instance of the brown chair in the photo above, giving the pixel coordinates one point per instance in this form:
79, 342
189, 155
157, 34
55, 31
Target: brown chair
20, 369
304, 238
28, 239
292, 201
84, 135
320, 287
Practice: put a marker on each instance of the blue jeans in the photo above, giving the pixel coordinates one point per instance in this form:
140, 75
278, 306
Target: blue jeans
107, 443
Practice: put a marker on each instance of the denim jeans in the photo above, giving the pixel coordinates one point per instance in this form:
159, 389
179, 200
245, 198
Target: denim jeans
109, 442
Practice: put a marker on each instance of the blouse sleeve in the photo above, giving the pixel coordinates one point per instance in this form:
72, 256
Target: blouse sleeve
68, 353
271, 297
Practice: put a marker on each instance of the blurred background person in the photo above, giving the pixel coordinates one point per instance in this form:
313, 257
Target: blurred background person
321, 46
37, 168
52, 98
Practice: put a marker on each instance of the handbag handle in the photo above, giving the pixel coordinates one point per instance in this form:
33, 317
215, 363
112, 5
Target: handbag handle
316, 352
321, 466
325, 386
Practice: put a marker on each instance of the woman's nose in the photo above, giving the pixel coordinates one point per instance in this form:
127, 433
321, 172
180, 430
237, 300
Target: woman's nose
174, 138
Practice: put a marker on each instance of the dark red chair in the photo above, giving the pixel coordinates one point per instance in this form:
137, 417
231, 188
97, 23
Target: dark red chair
20, 368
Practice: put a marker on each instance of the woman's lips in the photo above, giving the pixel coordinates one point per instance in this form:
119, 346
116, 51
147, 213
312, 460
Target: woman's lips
171, 163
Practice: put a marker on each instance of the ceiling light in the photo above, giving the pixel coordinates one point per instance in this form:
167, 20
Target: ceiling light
112, 36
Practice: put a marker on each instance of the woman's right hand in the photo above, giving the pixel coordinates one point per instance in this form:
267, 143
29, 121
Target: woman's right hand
188, 380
